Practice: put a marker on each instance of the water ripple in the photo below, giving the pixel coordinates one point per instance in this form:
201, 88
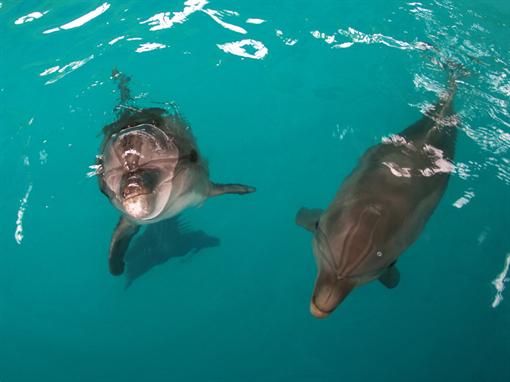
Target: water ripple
18, 234
30, 17
239, 48
148, 46
442, 33
82, 19
255, 21
464, 39
65, 70
215, 16
286, 40
163, 21
465, 199
356, 37
499, 282
116, 39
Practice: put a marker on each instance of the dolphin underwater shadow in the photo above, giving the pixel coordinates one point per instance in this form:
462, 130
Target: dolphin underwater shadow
160, 242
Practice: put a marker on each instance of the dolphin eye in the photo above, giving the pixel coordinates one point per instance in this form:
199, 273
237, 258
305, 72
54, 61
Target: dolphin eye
379, 254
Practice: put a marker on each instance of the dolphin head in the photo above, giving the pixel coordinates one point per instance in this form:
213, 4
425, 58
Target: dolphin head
139, 165
348, 245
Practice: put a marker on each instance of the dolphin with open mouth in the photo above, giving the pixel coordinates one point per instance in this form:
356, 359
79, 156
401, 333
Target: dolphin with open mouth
150, 168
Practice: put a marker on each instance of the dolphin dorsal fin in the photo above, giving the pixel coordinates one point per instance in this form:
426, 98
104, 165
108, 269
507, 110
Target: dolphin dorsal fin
308, 218
390, 277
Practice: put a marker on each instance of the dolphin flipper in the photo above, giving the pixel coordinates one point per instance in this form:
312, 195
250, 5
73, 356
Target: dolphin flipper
122, 235
390, 277
220, 189
308, 218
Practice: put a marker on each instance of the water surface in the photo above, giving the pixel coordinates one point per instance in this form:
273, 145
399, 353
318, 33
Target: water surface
285, 96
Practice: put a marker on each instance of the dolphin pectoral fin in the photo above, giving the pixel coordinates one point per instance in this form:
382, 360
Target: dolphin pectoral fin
390, 277
122, 235
220, 189
308, 218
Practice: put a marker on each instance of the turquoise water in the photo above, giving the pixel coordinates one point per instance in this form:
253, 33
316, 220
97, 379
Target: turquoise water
285, 96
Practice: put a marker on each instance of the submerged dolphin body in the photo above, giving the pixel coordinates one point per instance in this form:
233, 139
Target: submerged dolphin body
170, 238
150, 168
381, 207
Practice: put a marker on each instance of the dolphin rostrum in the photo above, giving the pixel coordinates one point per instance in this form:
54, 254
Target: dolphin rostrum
150, 168
381, 207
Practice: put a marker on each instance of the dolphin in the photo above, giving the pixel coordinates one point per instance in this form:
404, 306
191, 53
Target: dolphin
160, 242
382, 206
150, 168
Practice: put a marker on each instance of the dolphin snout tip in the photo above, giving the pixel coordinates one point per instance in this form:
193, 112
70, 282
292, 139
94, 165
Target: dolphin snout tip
316, 312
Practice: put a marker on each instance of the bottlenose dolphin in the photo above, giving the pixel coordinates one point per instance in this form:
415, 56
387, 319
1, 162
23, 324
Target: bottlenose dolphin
162, 241
150, 169
381, 207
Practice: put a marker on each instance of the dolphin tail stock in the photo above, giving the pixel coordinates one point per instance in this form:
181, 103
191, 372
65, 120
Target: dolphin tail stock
122, 235
123, 108
231, 188
122, 83
308, 218
456, 71
443, 134
438, 127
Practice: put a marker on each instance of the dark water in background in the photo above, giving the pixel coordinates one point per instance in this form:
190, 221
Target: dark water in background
318, 84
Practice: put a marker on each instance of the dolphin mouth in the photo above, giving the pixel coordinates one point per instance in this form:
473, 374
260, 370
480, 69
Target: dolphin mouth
317, 312
136, 194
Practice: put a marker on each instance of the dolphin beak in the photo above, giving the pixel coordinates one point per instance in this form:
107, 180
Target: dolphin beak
139, 206
328, 293
316, 312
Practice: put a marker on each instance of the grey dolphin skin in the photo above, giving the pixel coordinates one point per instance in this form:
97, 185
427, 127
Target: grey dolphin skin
162, 241
381, 207
150, 169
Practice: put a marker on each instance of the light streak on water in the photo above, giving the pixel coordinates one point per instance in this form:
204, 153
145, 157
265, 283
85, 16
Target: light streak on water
30, 17
82, 19
147, 47
237, 48
163, 20
18, 234
500, 281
